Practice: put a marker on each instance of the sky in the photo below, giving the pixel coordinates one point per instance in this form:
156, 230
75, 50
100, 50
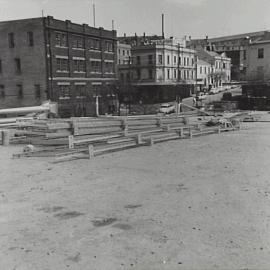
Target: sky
195, 18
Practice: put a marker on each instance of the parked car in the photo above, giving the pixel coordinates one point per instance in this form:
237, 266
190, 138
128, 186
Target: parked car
213, 91
167, 108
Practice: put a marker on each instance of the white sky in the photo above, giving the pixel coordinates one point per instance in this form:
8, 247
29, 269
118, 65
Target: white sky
182, 17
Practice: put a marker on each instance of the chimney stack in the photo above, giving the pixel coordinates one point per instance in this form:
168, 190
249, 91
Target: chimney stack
163, 36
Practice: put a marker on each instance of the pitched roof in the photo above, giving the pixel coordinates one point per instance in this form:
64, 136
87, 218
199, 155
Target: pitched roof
203, 63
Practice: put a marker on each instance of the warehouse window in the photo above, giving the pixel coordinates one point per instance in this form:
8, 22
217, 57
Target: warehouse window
20, 91
109, 46
18, 69
80, 91
30, 39
168, 59
64, 92
37, 91
78, 42
11, 42
95, 66
94, 44
79, 65
109, 67
261, 53
61, 39
62, 64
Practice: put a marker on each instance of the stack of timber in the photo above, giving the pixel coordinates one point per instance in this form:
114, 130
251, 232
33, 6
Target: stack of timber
86, 137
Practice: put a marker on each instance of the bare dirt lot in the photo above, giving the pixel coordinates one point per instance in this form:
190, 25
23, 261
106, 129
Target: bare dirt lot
188, 204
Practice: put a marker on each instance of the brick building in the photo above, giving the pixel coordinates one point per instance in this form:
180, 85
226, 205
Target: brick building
45, 58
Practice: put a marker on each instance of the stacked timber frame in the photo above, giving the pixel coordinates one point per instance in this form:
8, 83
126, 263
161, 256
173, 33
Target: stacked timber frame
46, 58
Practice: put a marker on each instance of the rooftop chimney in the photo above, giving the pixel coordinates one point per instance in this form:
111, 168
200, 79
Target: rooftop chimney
163, 36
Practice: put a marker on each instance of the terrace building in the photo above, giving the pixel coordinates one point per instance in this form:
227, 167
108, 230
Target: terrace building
204, 69
219, 72
46, 58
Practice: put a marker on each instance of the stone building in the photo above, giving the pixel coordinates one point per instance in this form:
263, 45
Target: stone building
46, 58
159, 71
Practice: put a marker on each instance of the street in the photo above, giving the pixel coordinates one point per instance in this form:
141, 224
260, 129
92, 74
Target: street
211, 98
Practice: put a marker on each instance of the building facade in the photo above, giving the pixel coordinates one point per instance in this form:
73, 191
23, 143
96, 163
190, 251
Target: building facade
159, 71
22, 63
204, 69
123, 53
220, 67
234, 46
258, 60
72, 64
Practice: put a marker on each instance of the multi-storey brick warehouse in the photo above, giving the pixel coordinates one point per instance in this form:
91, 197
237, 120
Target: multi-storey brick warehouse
45, 58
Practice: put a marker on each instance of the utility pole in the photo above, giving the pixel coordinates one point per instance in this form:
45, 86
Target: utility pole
129, 84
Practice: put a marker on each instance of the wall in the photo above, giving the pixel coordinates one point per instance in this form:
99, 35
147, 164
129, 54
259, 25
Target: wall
258, 68
33, 68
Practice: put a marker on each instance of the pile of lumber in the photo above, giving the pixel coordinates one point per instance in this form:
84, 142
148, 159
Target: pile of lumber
86, 137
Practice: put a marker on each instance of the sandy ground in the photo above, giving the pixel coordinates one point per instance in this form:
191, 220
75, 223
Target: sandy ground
188, 204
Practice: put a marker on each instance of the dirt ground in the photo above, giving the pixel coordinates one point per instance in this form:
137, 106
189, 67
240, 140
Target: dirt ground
187, 204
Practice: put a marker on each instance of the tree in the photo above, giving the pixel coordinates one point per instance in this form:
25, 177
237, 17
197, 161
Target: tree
218, 76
